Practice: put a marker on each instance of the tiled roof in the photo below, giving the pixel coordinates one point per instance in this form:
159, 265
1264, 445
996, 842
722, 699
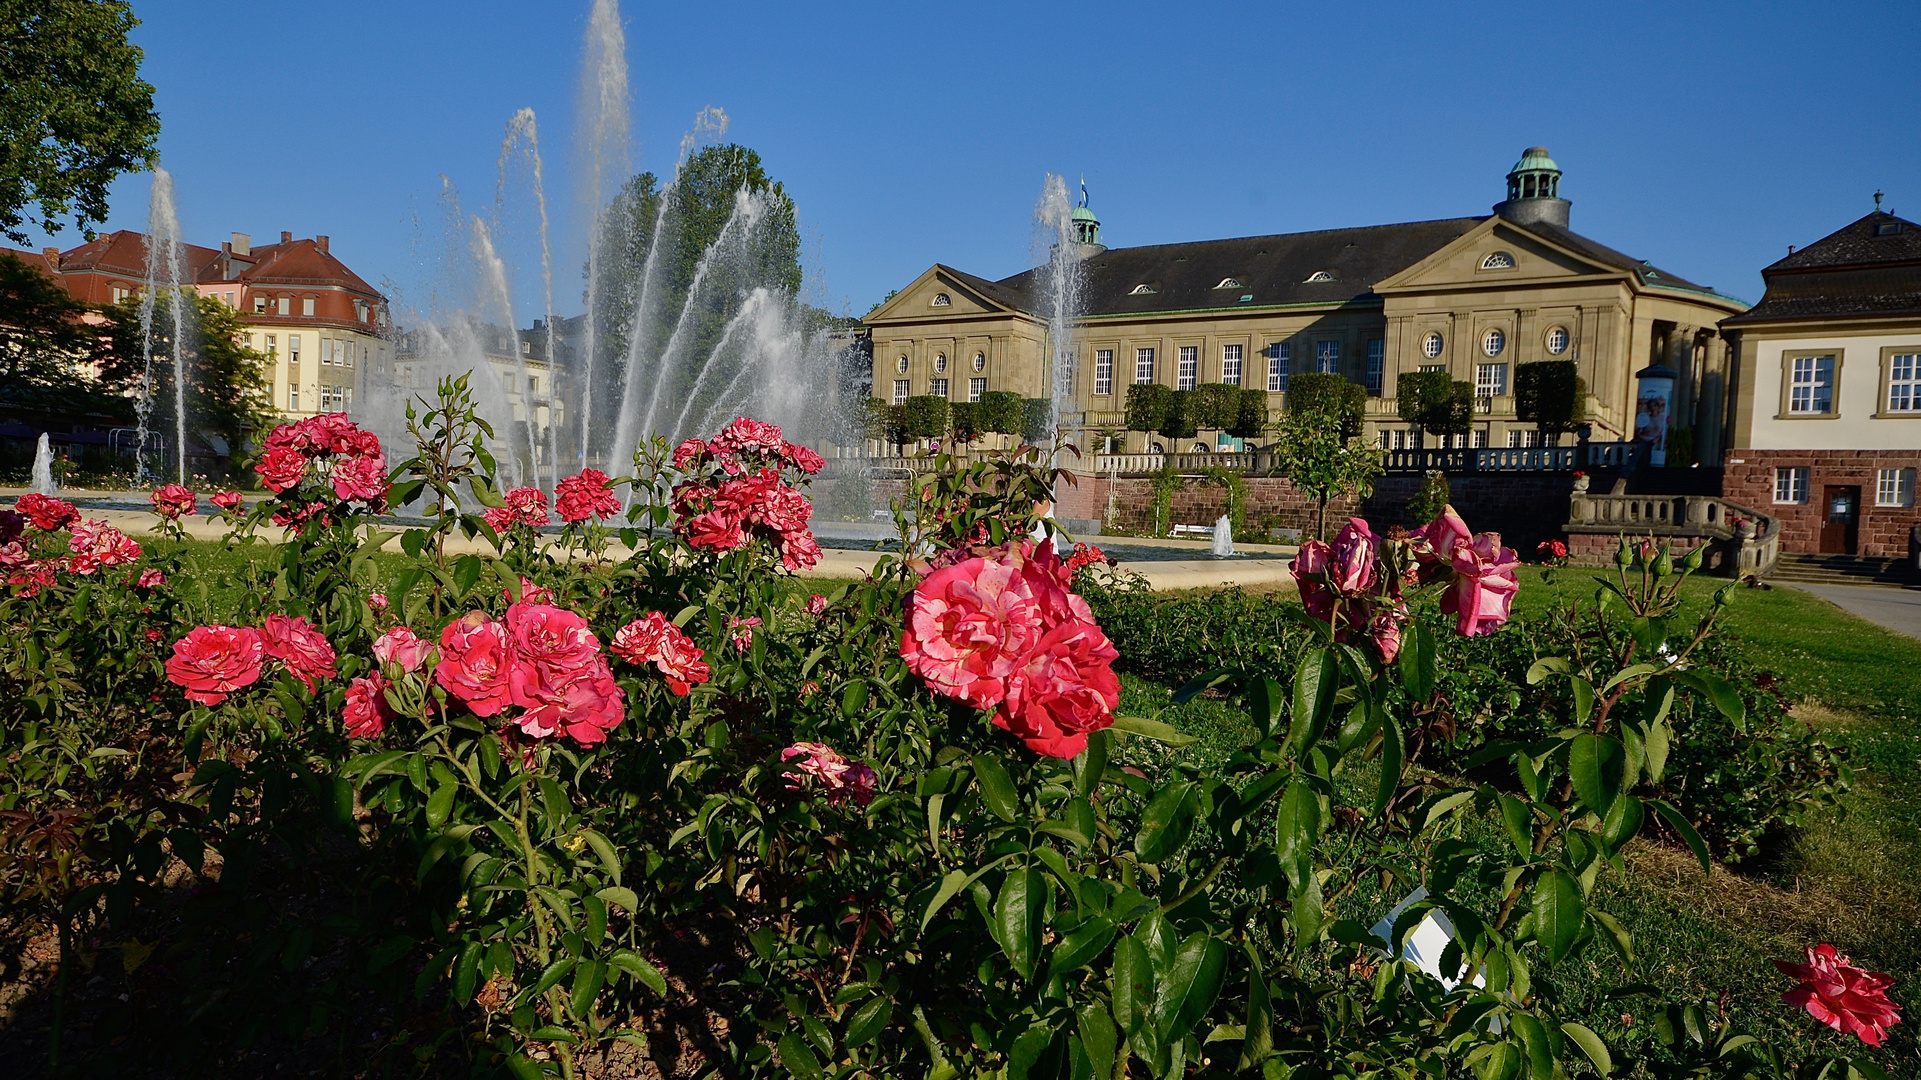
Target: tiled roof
297, 262
1859, 243
1871, 268
124, 252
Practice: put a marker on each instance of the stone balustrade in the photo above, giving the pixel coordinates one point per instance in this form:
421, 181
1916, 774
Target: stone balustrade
1740, 541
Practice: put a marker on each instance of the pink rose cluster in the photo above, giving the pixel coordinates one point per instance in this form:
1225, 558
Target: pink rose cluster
1003, 631
212, 662
335, 452
402, 654
587, 495
656, 640
542, 661
174, 502
740, 487
819, 763
29, 563
1841, 995
525, 506
1359, 583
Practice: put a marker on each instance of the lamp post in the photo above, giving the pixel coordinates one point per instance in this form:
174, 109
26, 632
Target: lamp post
1653, 401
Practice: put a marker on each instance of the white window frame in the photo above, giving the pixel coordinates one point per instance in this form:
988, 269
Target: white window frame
940, 361
900, 391
293, 399
1806, 384
1280, 355
1187, 372
900, 365
1327, 357
1490, 380
937, 388
1904, 382
1376, 365
1433, 344
1103, 372
1231, 364
1143, 365
306, 307
980, 361
1558, 339
975, 388
1894, 487
1791, 485
1494, 341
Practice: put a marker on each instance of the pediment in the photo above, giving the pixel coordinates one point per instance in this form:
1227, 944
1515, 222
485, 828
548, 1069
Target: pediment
937, 293
1495, 254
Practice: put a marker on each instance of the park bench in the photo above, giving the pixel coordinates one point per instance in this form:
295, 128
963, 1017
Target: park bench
1199, 532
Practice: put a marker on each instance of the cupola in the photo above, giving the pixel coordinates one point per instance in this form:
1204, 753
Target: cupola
1087, 228
1534, 191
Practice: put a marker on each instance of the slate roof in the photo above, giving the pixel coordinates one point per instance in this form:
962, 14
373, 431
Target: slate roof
1607, 256
1854, 272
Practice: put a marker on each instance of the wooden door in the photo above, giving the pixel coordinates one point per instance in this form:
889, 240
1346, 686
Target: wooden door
1840, 515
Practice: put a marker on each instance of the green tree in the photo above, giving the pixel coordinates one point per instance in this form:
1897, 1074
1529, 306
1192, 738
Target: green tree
74, 113
46, 352
1214, 406
228, 384
1422, 399
926, 417
1178, 421
1318, 456
1002, 412
1250, 416
1550, 395
1147, 405
1315, 392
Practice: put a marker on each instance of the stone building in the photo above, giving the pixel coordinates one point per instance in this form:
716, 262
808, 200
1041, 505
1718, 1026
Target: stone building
1826, 412
1474, 296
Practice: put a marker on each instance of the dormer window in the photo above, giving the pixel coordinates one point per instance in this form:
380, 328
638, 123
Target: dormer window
1319, 276
943, 300
1887, 228
1229, 283
1499, 260
1142, 290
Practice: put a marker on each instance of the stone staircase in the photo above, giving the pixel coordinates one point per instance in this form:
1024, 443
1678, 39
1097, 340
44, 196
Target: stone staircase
1845, 570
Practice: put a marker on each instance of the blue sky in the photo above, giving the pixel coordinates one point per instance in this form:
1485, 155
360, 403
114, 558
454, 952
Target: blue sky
1705, 138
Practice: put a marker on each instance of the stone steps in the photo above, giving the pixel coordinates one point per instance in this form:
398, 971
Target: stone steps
1845, 570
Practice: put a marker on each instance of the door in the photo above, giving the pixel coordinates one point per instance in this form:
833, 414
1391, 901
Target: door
1841, 510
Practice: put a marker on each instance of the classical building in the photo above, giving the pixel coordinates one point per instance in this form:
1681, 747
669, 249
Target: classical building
1473, 296
320, 322
1826, 412
511, 355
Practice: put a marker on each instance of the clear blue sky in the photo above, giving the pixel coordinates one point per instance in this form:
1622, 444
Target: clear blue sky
1703, 137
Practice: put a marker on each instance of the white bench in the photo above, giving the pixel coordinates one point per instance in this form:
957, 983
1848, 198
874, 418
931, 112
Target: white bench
1205, 532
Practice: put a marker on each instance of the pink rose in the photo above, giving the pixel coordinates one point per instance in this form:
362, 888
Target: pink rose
822, 764
528, 506
799, 550
377, 601
363, 479
476, 662
746, 433
743, 630
96, 544
227, 501
656, 640
716, 531
530, 593
553, 645
785, 510
214, 661
968, 625
1386, 621
1484, 584
173, 501
295, 643
12, 555
689, 453
585, 707
280, 468
149, 579
1434, 543
366, 712
46, 513
400, 647
1351, 567
1839, 994
804, 459
816, 604
578, 498
1064, 689
1310, 568
499, 518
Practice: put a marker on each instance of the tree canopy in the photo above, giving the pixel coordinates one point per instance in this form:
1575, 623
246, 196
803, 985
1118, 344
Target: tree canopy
47, 353
228, 385
1320, 457
74, 114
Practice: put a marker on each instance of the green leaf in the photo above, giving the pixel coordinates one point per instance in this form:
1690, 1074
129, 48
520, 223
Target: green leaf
1188, 987
798, 1058
466, 970
1558, 913
1719, 691
1595, 764
1297, 830
1520, 825
1020, 918
484, 492
1680, 824
636, 965
1617, 934
1152, 729
1393, 751
869, 1021
1633, 672
1098, 1038
1549, 665
1199, 684
1133, 989
1534, 1040
1655, 742
950, 886
1417, 662
467, 570
1090, 763
1623, 822
1166, 822
1266, 701
441, 803
1592, 1046
1314, 685
589, 977
621, 897
1081, 947
997, 789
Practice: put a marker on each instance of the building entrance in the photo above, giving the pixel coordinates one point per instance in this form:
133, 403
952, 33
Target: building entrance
1841, 511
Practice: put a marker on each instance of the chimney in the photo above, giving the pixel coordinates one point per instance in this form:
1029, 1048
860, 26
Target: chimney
242, 244
52, 255
321, 243
286, 237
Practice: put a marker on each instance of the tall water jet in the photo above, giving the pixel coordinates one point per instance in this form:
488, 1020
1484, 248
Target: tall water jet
43, 468
1061, 282
523, 126
498, 293
604, 126
163, 265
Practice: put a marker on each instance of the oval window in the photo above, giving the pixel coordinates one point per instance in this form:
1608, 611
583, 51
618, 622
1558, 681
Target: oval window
980, 361
1430, 345
901, 365
1493, 342
940, 361
1557, 340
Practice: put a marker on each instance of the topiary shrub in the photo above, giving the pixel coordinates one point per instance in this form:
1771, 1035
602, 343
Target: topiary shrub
1550, 395
1250, 416
1214, 406
963, 421
1035, 421
1147, 406
1001, 411
1178, 422
925, 416
1337, 394
1428, 502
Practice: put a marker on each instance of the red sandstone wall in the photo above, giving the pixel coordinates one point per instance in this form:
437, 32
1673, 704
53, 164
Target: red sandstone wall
1883, 531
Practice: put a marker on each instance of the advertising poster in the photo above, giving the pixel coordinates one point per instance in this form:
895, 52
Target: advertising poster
1651, 418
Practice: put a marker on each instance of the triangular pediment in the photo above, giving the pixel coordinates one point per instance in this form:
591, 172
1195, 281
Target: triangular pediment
1495, 254
940, 292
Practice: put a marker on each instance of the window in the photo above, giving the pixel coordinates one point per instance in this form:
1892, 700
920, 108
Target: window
1493, 342
1517, 438
326, 352
1156, 448
975, 388
533, 386
1499, 260
1231, 365
1279, 354
937, 387
1557, 340
1904, 383
306, 306
1142, 290
285, 305
900, 391
943, 300
1376, 365
940, 361
980, 361
1065, 366
1103, 371
1327, 357
270, 345
293, 348
230, 300
900, 365
1433, 367
1791, 484
293, 399
1811, 384
1431, 345
1319, 276
259, 305
1229, 283
1143, 365
1189, 371
1490, 380
1894, 487
348, 348
360, 310
1479, 441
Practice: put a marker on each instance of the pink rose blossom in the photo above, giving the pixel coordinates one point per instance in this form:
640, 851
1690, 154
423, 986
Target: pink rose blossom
746, 433
742, 630
12, 555
656, 640
304, 651
377, 601
366, 712
228, 501
280, 468
804, 459
149, 579
1484, 584
530, 593
689, 452
96, 544
799, 551
1351, 566
400, 647
822, 764
361, 479
1839, 994
968, 625
212, 662
816, 604
173, 501
476, 662
578, 498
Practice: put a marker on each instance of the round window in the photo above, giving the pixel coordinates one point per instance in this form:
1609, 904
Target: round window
940, 361
1156, 448
980, 361
901, 365
1493, 342
1430, 345
1557, 340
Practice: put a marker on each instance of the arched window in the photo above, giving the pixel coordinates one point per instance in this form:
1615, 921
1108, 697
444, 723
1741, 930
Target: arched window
1430, 345
940, 361
1200, 448
1493, 342
1142, 290
943, 300
901, 364
1319, 275
1229, 283
1499, 260
1156, 448
980, 361
1557, 340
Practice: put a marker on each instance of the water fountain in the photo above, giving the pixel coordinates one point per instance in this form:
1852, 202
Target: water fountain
164, 258
43, 468
1061, 280
1223, 538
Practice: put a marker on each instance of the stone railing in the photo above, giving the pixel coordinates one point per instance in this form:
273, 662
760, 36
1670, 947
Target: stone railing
1254, 462
1482, 459
1741, 541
